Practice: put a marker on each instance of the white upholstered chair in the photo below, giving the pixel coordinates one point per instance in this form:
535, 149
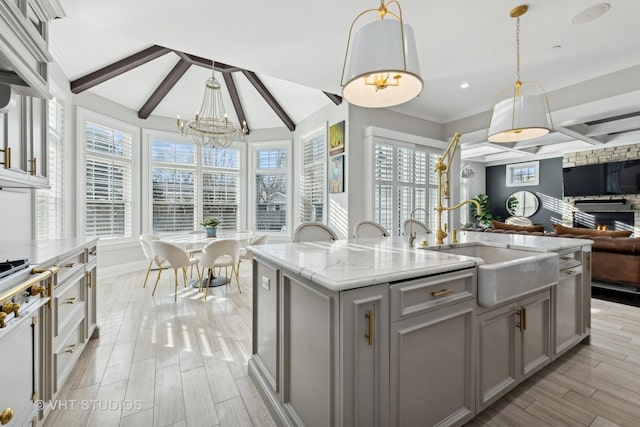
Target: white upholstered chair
414, 226
257, 240
369, 229
145, 242
176, 257
313, 232
221, 253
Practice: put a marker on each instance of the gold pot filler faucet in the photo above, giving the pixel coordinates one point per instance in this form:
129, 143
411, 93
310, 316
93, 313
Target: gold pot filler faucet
443, 168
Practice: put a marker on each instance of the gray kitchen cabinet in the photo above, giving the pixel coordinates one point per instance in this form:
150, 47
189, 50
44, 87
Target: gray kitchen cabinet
91, 281
514, 341
433, 367
364, 341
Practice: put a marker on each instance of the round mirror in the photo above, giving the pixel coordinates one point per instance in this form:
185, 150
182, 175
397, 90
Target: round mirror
522, 203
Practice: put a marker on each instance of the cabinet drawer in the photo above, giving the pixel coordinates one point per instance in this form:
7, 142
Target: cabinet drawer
70, 266
67, 299
67, 352
416, 296
569, 259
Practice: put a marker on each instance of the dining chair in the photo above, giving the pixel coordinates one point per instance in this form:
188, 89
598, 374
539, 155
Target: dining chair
369, 229
313, 232
257, 240
145, 242
194, 249
217, 254
176, 257
415, 226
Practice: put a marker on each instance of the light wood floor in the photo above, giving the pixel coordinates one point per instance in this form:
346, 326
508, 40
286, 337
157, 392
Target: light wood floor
185, 364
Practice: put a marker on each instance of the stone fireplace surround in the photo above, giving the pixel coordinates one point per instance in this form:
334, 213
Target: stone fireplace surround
603, 155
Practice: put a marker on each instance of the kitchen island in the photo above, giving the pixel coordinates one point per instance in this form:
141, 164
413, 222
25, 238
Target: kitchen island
372, 332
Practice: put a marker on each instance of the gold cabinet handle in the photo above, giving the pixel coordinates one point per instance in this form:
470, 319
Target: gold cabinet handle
7, 158
6, 416
71, 349
9, 307
34, 166
3, 316
522, 313
71, 300
38, 290
438, 294
89, 278
369, 336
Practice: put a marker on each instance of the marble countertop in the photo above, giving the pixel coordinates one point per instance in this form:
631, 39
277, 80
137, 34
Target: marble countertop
40, 251
350, 264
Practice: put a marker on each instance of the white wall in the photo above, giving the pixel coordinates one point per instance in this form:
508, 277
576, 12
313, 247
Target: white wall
15, 214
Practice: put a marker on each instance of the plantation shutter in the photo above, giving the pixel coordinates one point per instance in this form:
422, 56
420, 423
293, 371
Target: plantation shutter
174, 186
108, 178
221, 186
49, 202
314, 180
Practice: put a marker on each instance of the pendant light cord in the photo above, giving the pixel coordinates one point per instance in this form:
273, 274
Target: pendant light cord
518, 49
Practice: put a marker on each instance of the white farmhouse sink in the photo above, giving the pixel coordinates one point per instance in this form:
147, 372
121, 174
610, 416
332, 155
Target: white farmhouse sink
507, 273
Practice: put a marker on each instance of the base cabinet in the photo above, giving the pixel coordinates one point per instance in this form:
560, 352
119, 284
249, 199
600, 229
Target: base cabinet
514, 341
433, 387
364, 359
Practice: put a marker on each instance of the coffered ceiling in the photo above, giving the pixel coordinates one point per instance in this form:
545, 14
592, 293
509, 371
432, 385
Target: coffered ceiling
296, 48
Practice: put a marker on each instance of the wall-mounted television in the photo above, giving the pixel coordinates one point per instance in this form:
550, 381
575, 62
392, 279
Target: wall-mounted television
613, 178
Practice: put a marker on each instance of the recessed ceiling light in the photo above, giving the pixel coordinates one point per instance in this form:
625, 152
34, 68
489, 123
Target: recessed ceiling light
464, 85
591, 13
556, 47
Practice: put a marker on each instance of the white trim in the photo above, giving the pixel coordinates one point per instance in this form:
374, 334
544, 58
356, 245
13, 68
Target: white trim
404, 137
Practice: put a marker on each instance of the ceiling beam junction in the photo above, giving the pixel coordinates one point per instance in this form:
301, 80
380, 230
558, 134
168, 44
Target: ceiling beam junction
577, 135
117, 68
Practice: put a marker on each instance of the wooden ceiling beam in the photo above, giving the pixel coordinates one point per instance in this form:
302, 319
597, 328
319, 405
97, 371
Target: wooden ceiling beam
163, 89
336, 99
268, 97
206, 63
235, 98
113, 70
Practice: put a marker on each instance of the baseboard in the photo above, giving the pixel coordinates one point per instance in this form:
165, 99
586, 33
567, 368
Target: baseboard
116, 270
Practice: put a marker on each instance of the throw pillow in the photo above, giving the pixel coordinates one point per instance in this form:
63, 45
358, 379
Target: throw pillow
502, 226
560, 229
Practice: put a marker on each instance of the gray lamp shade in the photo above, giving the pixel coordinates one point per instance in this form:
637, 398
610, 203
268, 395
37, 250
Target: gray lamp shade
377, 50
519, 118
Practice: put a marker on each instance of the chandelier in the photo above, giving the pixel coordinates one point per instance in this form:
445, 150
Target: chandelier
526, 113
211, 127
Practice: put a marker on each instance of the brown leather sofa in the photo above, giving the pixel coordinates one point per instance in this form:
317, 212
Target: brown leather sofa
614, 260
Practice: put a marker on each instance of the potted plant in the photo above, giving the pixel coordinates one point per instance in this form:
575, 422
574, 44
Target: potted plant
485, 218
210, 225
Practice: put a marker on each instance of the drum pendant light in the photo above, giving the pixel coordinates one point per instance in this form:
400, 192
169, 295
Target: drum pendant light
382, 67
526, 114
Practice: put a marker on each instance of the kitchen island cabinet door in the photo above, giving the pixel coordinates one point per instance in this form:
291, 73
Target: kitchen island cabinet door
310, 352
433, 367
535, 333
364, 364
496, 354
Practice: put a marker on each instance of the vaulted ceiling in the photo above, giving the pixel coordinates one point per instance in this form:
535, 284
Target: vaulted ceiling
296, 50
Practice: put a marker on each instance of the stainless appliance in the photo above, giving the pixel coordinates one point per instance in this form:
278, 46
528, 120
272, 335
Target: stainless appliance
24, 294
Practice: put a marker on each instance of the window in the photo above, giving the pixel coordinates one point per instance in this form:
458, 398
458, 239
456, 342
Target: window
221, 186
271, 188
191, 183
522, 174
108, 173
173, 177
49, 202
404, 180
314, 179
